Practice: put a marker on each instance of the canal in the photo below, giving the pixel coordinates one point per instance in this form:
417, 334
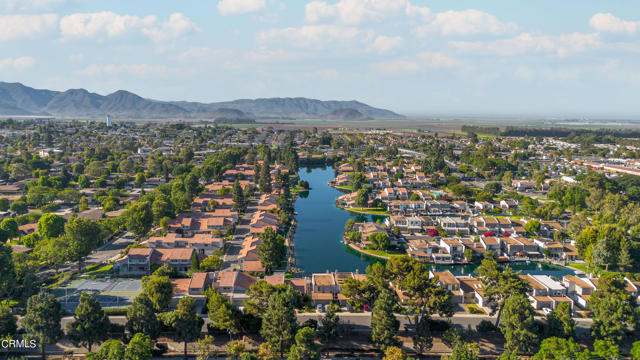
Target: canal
318, 237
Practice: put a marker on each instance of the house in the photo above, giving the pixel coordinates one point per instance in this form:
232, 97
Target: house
471, 290
453, 246
140, 260
204, 244
490, 243
453, 225
200, 282
233, 285
579, 289
449, 282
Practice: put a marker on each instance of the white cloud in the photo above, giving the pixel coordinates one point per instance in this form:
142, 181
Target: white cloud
76, 57
20, 63
106, 22
176, 26
19, 26
561, 45
420, 12
354, 12
316, 36
422, 61
133, 69
467, 22
610, 23
110, 24
237, 7
386, 44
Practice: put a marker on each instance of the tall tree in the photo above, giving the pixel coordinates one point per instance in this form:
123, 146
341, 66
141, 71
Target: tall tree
159, 289
270, 250
613, 309
305, 347
463, 351
499, 284
10, 227
186, 321
264, 181
223, 314
7, 271
279, 323
139, 348
8, 323
238, 196
110, 350
82, 237
139, 218
42, 320
557, 348
141, 317
330, 329
89, 323
50, 225
518, 325
560, 322
384, 325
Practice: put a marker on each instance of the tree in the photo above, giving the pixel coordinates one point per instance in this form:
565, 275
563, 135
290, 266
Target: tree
4, 204
518, 325
362, 196
161, 208
7, 271
52, 251
305, 347
186, 321
238, 196
18, 207
141, 317
384, 325
139, 180
394, 353
279, 323
195, 262
270, 250
211, 263
560, 322
50, 225
606, 350
498, 284
635, 350
380, 240
264, 181
10, 227
222, 313
89, 323
330, 329
234, 349
83, 182
532, 227
8, 322
164, 224
463, 351
259, 294
139, 218
557, 348
613, 309
159, 289
110, 350
204, 350
42, 320
507, 178
139, 348
82, 237
356, 181
493, 187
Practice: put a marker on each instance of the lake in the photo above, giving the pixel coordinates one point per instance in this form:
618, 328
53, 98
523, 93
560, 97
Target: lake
318, 237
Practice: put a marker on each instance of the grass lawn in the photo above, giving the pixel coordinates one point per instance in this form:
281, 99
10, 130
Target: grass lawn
370, 211
345, 188
106, 269
474, 309
581, 267
384, 253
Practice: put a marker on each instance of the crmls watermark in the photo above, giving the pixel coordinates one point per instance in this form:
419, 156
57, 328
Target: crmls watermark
18, 344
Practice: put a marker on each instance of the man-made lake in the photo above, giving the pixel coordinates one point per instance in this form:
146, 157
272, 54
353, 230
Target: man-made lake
318, 237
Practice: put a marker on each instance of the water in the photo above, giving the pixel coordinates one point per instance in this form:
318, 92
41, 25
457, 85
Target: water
318, 237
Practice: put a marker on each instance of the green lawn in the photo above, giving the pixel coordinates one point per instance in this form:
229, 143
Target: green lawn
369, 211
106, 269
345, 188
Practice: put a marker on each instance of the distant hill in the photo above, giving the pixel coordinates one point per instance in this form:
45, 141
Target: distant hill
346, 114
18, 99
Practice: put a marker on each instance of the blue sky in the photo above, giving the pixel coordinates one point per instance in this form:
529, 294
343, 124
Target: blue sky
570, 58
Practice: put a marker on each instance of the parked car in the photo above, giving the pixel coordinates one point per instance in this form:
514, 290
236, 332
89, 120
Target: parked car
320, 308
547, 311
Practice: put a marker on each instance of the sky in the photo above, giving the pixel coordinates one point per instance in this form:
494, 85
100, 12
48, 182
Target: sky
558, 59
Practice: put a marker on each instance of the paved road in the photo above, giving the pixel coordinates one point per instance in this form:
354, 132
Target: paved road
111, 249
242, 229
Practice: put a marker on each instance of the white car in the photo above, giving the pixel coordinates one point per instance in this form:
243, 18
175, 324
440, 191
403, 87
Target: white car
547, 311
319, 308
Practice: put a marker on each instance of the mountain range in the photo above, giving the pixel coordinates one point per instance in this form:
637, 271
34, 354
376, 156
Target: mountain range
18, 99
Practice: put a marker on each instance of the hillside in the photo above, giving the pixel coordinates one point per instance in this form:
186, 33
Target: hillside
347, 115
18, 99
